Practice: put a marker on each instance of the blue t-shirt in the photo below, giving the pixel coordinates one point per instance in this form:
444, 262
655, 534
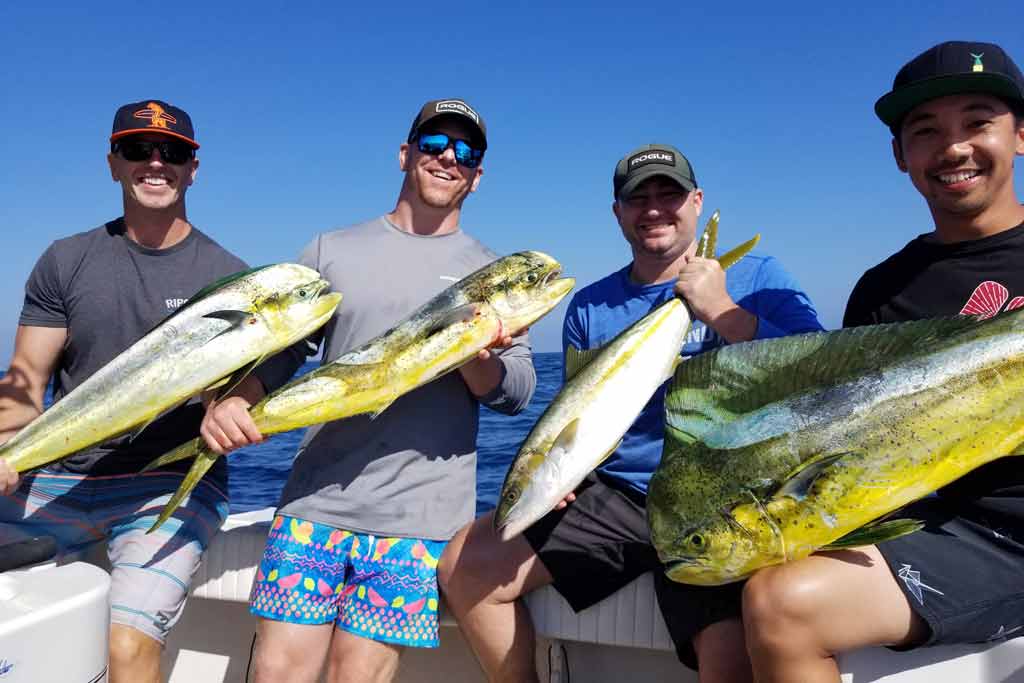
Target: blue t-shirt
599, 312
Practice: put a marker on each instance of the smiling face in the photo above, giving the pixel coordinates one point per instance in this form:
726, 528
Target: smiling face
959, 152
438, 181
153, 184
659, 219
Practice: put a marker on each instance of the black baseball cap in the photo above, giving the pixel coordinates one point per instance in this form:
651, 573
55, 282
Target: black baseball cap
649, 161
951, 68
450, 107
153, 116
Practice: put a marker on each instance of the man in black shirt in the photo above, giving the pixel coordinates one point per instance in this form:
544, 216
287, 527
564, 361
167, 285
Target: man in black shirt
957, 117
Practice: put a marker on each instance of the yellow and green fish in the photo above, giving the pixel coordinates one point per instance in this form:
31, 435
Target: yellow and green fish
500, 299
228, 327
779, 448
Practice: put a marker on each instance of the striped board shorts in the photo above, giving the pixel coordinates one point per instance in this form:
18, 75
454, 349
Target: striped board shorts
150, 573
377, 587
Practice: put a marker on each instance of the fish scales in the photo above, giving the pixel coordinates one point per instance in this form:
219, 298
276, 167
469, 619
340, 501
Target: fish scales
882, 434
231, 323
502, 298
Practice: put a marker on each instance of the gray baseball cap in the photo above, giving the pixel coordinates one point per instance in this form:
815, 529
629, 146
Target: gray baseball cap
649, 161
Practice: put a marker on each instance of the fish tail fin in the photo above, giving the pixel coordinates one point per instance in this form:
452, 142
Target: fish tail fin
873, 534
734, 255
189, 449
204, 461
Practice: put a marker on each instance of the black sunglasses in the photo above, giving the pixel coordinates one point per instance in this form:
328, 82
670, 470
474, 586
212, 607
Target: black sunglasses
171, 151
437, 143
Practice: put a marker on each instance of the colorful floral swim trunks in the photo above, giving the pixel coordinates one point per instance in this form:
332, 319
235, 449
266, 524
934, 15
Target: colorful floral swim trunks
379, 588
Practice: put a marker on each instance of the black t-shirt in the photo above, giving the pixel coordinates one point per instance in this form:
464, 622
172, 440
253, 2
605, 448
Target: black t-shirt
109, 291
929, 279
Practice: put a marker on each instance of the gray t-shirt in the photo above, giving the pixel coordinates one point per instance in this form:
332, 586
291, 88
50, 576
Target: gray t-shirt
108, 292
411, 471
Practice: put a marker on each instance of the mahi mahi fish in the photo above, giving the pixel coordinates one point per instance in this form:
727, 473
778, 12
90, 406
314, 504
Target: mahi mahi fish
229, 326
605, 390
779, 448
502, 298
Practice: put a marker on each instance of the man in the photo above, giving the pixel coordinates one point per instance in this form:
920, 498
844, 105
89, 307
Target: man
349, 571
956, 113
90, 297
599, 542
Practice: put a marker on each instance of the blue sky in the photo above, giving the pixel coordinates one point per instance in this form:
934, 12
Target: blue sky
300, 109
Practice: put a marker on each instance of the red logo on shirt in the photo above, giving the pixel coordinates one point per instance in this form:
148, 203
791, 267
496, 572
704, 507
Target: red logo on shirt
988, 299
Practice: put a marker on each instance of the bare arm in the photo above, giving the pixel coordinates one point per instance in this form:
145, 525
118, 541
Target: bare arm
36, 352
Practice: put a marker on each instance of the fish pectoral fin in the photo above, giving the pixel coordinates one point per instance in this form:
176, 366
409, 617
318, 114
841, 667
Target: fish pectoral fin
459, 314
233, 317
731, 257
204, 461
567, 437
875, 533
577, 359
800, 480
726, 514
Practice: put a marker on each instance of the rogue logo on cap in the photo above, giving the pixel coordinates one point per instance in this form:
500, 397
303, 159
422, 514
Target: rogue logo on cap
977, 66
651, 158
454, 106
158, 118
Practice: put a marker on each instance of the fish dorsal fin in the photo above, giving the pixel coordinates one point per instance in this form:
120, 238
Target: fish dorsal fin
567, 437
714, 388
876, 532
709, 238
577, 359
799, 482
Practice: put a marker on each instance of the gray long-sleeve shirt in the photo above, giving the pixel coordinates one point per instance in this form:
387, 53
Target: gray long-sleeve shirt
411, 471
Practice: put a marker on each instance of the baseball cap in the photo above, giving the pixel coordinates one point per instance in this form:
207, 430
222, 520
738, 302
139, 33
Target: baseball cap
649, 161
153, 116
950, 68
450, 107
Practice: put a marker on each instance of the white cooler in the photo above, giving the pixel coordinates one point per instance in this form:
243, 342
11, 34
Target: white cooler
54, 624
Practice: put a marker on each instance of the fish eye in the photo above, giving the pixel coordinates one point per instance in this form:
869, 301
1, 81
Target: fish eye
696, 541
303, 293
512, 495
531, 277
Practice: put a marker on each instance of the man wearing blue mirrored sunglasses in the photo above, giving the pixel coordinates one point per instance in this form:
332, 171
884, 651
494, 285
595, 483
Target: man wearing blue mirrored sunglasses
349, 573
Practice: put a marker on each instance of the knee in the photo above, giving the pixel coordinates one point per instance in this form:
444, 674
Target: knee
131, 647
463, 567
778, 604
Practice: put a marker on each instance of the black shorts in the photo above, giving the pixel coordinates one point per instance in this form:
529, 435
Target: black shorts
963, 573
600, 542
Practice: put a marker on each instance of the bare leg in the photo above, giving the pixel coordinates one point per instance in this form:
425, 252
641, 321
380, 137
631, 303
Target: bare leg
290, 653
354, 658
722, 653
482, 579
799, 615
134, 656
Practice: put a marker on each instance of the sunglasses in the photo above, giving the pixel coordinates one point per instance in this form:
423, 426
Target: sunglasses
171, 151
437, 143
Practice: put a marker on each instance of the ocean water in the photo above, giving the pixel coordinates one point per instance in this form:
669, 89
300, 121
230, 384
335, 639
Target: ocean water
257, 474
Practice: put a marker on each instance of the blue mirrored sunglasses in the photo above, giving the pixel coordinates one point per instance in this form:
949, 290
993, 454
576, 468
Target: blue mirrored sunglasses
437, 143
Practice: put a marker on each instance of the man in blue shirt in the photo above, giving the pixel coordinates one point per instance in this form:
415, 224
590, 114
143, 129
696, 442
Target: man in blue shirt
597, 541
